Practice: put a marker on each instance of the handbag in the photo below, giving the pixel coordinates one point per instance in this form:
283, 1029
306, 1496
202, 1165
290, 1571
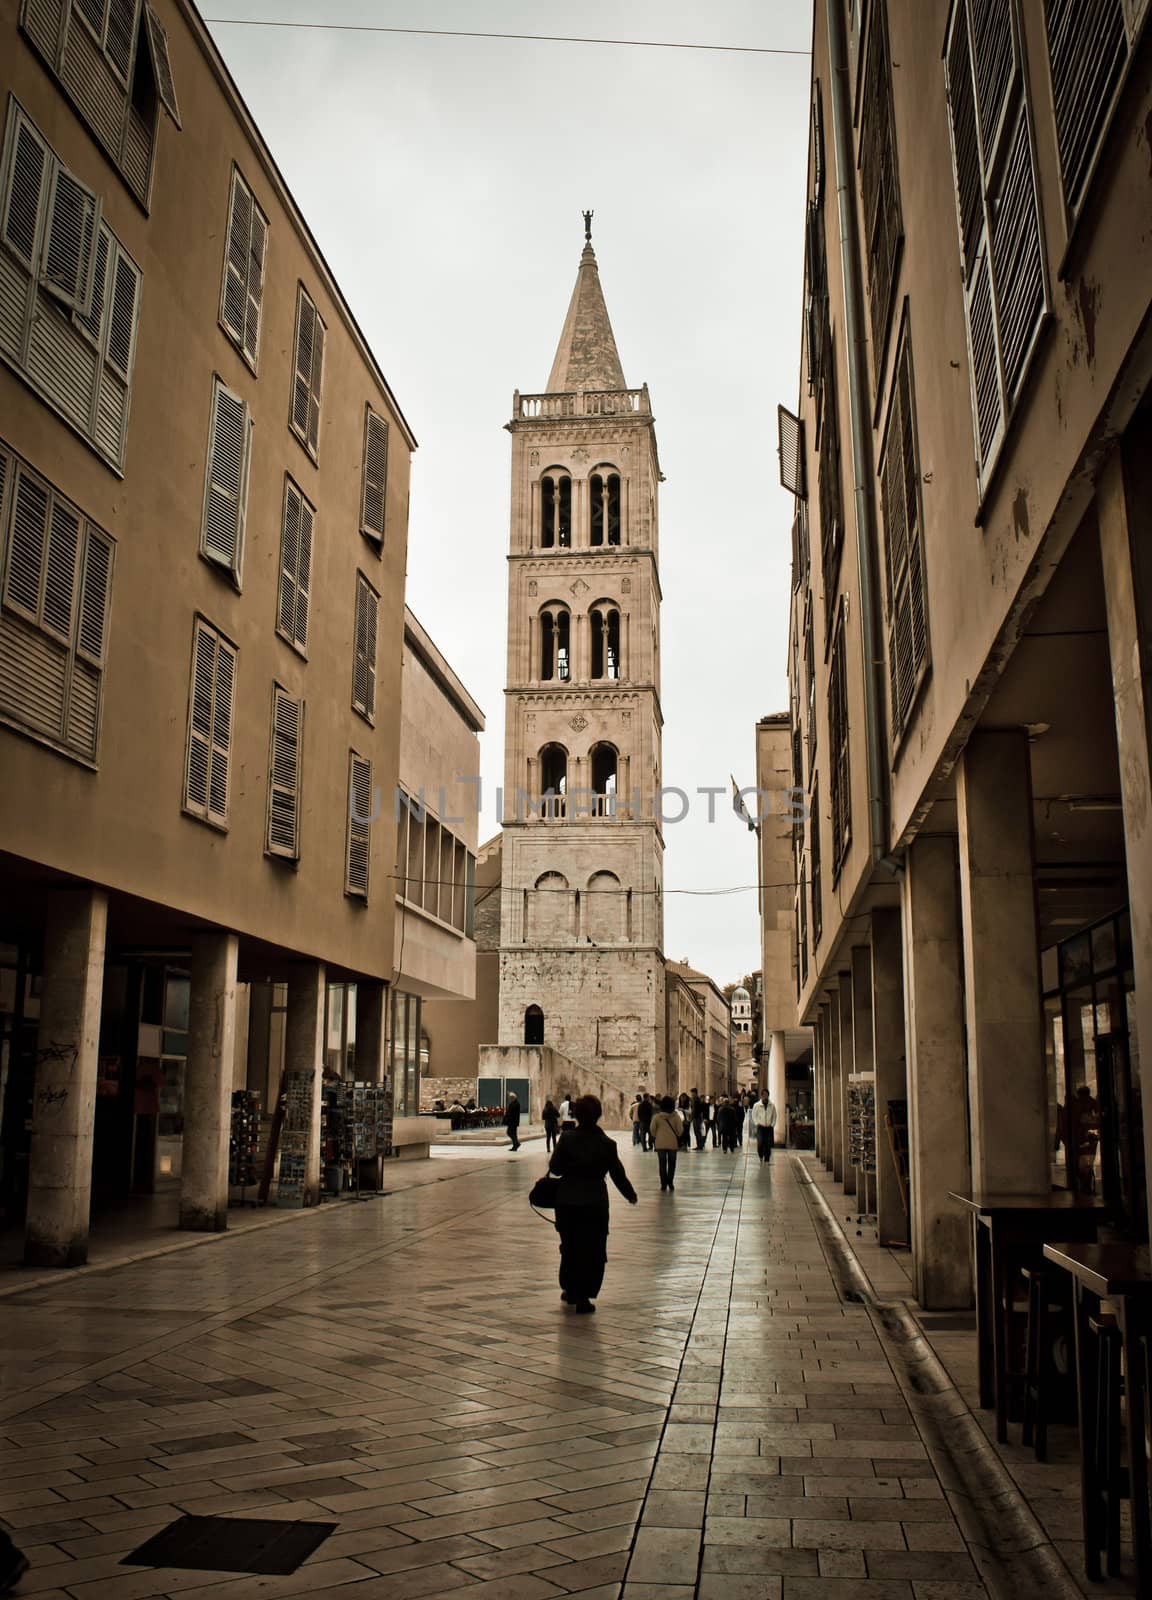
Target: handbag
544, 1192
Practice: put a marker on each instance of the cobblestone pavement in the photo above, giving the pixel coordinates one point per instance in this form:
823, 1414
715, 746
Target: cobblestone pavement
724, 1427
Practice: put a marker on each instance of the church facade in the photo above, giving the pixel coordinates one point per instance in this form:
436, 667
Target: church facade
581, 967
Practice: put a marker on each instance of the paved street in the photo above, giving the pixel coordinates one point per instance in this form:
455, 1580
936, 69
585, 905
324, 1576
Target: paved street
403, 1368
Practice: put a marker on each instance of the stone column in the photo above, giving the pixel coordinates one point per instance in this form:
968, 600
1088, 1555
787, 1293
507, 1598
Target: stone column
819, 1110
371, 1001
1122, 508
888, 1064
64, 1094
304, 1052
836, 1083
777, 1080
208, 1083
1007, 1076
937, 1073
829, 1060
847, 1066
862, 1059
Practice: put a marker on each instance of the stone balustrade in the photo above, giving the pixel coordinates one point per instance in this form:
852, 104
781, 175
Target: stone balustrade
582, 403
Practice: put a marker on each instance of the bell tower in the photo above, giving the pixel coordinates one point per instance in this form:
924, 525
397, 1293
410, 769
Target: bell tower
581, 957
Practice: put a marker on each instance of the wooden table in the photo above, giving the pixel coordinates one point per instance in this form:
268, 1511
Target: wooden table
1122, 1275
1008, 1231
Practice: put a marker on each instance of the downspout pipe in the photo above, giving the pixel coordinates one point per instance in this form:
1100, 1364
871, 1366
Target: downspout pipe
854, 342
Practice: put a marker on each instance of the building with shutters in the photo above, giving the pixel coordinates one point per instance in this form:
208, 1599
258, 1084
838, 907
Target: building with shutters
971, 623
203, 523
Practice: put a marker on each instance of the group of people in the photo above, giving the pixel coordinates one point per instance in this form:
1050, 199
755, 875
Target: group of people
722, 1118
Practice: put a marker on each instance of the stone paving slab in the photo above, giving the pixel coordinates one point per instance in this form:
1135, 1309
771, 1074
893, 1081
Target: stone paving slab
723, 1427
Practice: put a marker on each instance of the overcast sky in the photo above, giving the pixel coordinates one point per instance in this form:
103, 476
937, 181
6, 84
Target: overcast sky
444, 180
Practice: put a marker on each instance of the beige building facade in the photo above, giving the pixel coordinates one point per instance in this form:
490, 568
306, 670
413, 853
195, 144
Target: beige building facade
971, 617
203, 524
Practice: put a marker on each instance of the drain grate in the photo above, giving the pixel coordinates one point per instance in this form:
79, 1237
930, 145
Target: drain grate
232, 1544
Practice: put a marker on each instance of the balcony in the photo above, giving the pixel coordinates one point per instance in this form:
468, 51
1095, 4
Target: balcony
591, 403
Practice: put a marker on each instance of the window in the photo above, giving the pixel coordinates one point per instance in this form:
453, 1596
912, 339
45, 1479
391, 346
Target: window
553, 780
295, 568
111, 58
604, 620
57, 592
810, 679
435, 870
308, 375
242, 293
285, 762
879, 181
69, 294
364, 649
841, 777
605, 764
800, 545
904, 546
831, 502
375, 476
358, 849
210, 705
790, 433
555, 509
555, 634
1005, 296
533, 1025
604, 507
226, 481
814, 862
802, 932
1089, 46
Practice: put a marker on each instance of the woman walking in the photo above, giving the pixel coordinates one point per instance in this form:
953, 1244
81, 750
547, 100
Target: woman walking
582, 1160
550, 1117
667, 1128
684, 1107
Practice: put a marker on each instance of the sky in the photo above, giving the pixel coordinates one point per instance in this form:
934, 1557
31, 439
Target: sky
444, 179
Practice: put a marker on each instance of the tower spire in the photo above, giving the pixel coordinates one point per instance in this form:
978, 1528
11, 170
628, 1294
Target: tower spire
586, 357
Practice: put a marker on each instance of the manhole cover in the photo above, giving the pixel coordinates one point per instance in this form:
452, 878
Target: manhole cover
232, 1544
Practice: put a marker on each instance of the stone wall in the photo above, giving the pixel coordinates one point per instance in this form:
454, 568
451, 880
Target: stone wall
553, 1076
446, 1089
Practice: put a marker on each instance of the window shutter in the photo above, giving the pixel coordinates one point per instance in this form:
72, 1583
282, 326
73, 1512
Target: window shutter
92, 320
199, 764
257, 246
71, 232
359, 826
304, 574
95, 593
29, 173
364, 662
122, 312
226, 492
1087, 54
375, 475
222, 698
60, 570
295, 566
791, 450
42, 21
284, 775
121, 34
93, 13
234, 299
965, 147
161, 64
1017, 262
994, 50
309, 373
314, 387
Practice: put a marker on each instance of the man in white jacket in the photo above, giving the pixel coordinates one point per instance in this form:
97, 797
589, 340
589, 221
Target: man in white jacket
764, 1126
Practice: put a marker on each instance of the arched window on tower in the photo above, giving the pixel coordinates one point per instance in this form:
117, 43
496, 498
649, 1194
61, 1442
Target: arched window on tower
605, 770
555, 641
555, 509
604, 506
533, 1025
604, 620
550, 913
553, 780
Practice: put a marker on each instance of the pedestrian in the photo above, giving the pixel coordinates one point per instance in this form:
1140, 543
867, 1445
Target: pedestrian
634, 1114
13, 1563
512, 1120
644, 1117
699, 1119
667, 1128
727, 1120
582, 1160
566, 1113
713, 1122
764, 1127
550, 1117
684, 1108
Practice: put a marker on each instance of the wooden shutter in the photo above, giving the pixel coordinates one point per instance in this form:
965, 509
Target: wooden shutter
92, 320
904, 549
123, 306
60, 571
226, 492
161, 64
27, 546
120, 35
994, 58
95, 596
375, 475
210, 724
1087, 54
364, 659
359, 846
29, 172
1017, 259
243, 293
295, 566
309, 372
284, 775
42, 21
71, 231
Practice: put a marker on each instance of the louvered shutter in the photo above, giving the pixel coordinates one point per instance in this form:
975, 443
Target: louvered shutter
42, 21
284, 775
29, 173
234, 299
60, 571
304, 574
1087, 54
122, 312
375, 475
27, 547
224, 499
315, 387
309, 372
120, 35
364, 661
95, 595
93, 13
790, 433
1017, 261
257, 246
199, 761
70, 236
289, 561
359, 826
222, 702
161, 64
92, 320
994, 53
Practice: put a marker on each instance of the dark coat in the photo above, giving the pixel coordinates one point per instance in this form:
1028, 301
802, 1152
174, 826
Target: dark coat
583, 1158
550, 1118
512, 1114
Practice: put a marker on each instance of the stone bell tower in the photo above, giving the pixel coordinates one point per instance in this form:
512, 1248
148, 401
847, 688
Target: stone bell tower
581, 952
